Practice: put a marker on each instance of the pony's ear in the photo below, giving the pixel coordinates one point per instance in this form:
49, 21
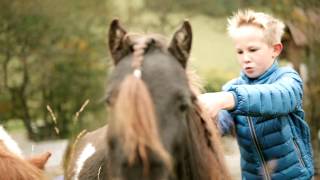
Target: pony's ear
40, 160
180, 45
116, 35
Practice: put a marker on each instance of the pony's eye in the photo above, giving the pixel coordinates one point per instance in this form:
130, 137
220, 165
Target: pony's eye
109, 100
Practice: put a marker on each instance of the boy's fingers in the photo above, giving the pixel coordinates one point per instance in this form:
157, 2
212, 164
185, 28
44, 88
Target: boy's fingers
205, 100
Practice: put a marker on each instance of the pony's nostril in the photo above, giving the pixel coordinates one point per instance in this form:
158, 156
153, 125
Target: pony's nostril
112, 143
131, 48
183, 107
152, 42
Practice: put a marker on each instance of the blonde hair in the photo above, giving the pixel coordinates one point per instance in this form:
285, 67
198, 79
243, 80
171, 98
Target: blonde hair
271, 27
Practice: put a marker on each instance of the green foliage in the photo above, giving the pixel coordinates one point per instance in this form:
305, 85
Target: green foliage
50, 56
206, 7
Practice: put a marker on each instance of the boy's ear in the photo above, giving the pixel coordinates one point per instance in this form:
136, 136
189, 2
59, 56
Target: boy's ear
277, 49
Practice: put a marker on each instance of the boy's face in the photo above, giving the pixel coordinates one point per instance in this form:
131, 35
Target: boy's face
254, 54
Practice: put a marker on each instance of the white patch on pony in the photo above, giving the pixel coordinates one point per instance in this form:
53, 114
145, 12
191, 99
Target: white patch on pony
88, 151
9, 142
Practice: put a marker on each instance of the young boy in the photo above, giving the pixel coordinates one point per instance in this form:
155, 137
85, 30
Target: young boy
264, 104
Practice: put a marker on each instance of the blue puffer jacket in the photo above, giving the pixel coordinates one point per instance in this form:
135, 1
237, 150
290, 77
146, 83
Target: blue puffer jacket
272, 134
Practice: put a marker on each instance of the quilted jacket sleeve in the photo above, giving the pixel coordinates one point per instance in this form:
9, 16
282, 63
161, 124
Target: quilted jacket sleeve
225, 122
279, 98
225, 119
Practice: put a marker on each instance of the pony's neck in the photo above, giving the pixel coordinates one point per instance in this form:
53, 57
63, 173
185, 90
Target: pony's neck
10, 144
13, 167
204, 149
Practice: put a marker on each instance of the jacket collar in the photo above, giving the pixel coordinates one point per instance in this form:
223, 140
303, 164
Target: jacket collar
262, 77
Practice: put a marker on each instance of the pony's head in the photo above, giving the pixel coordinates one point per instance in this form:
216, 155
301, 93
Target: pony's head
148, 97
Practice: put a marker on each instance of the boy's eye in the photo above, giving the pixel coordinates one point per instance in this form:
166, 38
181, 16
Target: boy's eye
239, 52
253, 50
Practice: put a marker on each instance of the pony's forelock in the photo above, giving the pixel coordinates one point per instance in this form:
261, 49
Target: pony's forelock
134, 122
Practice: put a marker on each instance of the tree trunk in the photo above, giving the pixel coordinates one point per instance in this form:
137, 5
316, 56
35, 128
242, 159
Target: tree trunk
313, 106
26, 117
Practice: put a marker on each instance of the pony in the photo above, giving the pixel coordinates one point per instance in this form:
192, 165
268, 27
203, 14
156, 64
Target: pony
156, 130
13, 166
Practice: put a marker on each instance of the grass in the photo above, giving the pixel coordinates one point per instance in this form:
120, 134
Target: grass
213, 54
15, 125
212, 48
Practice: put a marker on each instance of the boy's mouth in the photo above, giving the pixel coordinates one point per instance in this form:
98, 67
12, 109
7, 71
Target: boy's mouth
249, 69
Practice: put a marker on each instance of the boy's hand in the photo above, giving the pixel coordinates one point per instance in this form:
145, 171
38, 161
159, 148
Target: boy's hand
214, 102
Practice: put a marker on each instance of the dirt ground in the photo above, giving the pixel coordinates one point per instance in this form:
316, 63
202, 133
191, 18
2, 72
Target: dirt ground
232, 156
53, 167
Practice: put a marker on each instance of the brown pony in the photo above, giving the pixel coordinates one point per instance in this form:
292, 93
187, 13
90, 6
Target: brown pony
14, 167
157, 129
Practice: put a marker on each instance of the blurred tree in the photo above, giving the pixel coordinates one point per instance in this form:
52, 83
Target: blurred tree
20, 35
207, 7
50, 56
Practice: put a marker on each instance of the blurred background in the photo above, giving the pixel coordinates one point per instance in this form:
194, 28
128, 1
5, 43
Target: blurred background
54, 59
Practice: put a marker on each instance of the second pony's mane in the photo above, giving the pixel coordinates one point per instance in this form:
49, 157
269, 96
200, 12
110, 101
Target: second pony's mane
12, 163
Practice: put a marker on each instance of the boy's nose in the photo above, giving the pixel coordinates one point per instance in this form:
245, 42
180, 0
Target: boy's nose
246, 58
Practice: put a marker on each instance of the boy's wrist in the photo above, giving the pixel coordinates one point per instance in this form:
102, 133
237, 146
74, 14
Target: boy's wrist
228, 101
218, 100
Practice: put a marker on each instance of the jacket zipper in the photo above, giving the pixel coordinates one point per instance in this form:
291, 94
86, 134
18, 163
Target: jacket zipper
255, 140
298, 152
